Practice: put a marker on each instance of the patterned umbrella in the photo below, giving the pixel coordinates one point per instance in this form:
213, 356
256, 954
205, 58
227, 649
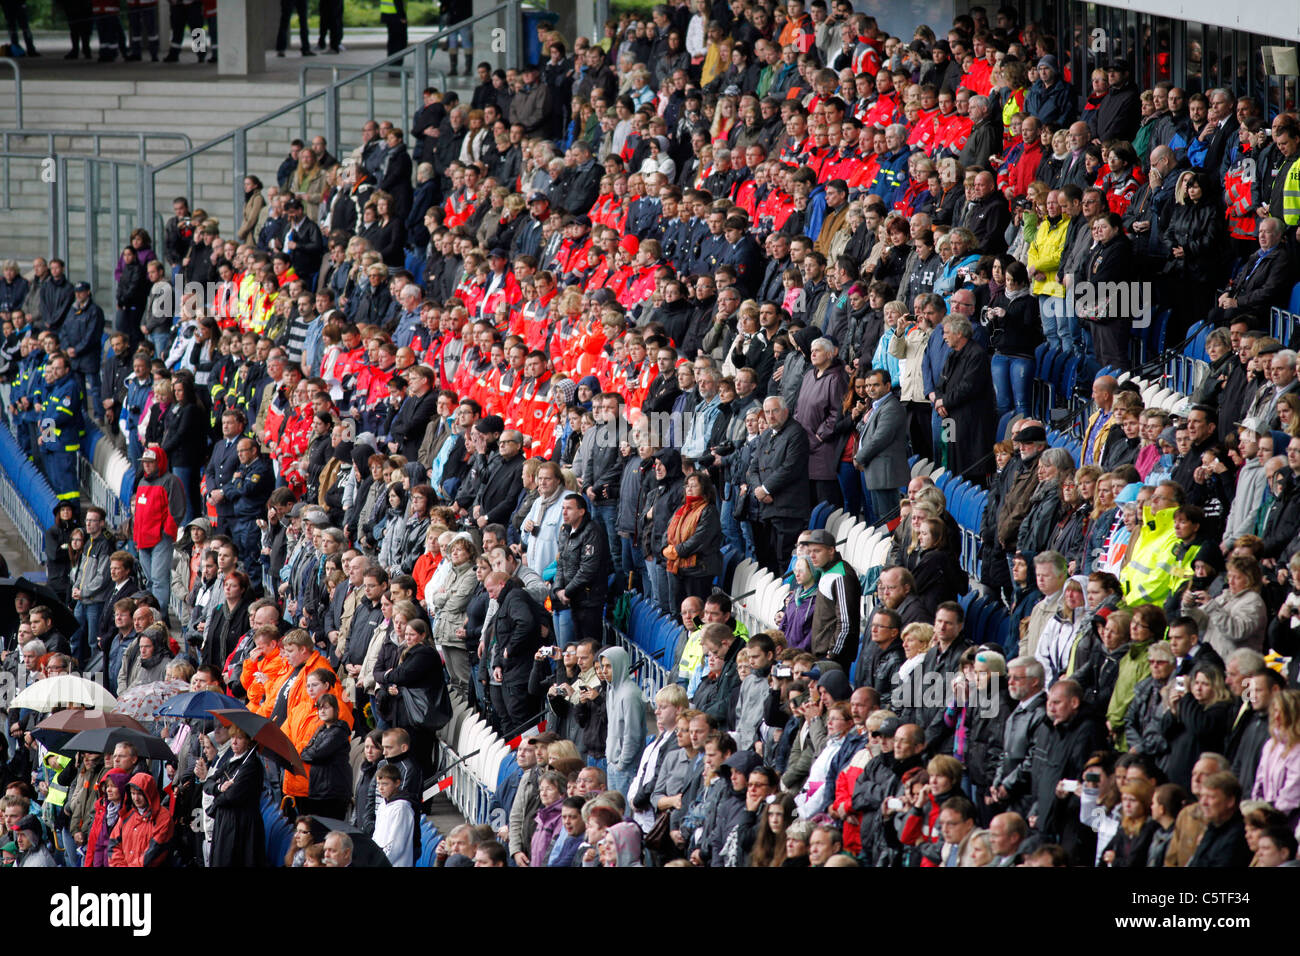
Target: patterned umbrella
142, 701
54, 731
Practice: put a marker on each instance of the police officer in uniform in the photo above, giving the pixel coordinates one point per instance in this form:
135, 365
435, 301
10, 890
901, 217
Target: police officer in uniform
742, 254
247, 492
61, 426
223, 463
713, 245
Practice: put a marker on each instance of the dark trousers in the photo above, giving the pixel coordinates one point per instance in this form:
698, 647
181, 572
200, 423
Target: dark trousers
287, 9
331, 23
918, 429
396, 33
682, 586
774, 541
519, 704
185, 17
80, 23
588, 621
826, 491
143, 22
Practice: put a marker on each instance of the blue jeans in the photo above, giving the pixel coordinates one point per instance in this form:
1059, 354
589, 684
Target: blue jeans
730, 526
1060, 324
87, 616
160, 342
663, 591
156, 566
1011, 383
631, 560
599, 762
851, 485
563, 621
91, 385
605, 514
619, 780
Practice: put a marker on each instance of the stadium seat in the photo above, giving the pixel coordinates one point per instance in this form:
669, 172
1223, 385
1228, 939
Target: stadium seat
1293, 305
819, 515
921, 466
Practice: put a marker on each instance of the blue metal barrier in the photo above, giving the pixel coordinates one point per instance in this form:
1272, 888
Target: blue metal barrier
25, 495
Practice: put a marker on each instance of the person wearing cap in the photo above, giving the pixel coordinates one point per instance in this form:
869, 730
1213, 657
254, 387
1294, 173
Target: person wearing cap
1120, 112
157, 509
731, 806
81, 336
836, 620
530, 107
1049, 98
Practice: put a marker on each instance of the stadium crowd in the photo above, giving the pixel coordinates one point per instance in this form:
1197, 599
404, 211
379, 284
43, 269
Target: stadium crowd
438, 406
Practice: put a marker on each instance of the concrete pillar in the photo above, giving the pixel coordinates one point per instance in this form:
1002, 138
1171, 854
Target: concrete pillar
244, 32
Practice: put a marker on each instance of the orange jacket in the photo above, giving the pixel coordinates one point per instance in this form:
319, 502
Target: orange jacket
135, 833
301, 723
261, 694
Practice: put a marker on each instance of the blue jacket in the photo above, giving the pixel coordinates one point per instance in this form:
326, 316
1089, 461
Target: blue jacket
816, 212
891, 179
249, 488
936, 353
1054, 106
12, 294
61, 424
83, 330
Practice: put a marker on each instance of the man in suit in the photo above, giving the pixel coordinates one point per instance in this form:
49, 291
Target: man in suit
882, 454
224, 462
303, 242
1263, 281
778, 478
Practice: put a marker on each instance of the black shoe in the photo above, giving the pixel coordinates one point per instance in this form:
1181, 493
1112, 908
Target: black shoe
334, 50
308, 51
132, 58
70, 56
320, 44
172, 57
212, 59
31, 50
279, 53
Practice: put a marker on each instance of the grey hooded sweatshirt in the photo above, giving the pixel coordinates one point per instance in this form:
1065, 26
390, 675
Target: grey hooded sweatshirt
625, 709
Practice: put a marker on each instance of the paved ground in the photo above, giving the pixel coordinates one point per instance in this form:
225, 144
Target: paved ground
361, 48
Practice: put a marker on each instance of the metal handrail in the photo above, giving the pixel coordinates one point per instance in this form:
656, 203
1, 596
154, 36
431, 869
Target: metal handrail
18, 88
330, 94
407, 70
141, 138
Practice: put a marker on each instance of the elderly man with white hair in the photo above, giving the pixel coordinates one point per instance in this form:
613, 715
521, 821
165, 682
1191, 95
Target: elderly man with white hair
817, 409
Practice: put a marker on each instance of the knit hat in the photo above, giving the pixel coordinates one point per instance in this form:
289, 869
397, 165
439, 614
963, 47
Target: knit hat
591, 382
564, 390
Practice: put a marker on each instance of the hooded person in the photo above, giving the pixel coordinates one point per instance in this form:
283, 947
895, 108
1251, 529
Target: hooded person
625, 711
625, 838
29, 835
662, 501
143, 833
157, 509
107, 813
238, 833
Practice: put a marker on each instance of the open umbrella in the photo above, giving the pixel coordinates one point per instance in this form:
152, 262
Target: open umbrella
269, 738
365, 851
54, 731
63, 619
102, 740
196, 704
144, 700
64, 690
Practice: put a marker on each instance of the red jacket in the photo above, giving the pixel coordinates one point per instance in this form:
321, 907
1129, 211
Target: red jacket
142, 838
158, 505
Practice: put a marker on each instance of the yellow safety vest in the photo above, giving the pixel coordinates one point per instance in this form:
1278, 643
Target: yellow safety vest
1291, 195
1152, 573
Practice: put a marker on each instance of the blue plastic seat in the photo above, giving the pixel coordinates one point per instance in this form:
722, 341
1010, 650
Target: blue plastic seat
1294, 304
819, 515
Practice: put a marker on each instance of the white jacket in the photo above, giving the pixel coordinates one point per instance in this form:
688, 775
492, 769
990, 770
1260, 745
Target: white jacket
395, 830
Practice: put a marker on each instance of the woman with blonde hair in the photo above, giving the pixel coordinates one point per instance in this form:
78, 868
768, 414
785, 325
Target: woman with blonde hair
1278, 778
308, 183
978, 850
1238, 616
1196, 721
1131, 844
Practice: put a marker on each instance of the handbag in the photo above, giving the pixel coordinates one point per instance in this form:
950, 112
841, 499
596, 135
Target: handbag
422, 712
660, 839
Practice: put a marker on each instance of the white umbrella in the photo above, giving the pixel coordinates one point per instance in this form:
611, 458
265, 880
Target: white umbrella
64, 690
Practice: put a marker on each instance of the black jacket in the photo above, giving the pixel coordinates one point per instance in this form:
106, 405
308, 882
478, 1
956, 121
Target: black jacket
224, 630
879, 668
1223, 845
1059, 753
1117, 115
516, 630
583, 564
327, 756
500, 489
780, 465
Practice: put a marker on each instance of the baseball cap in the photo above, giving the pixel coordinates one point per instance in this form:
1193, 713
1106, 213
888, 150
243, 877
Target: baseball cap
822, 537
539, 197
1032, 433
889, 727
81, 287
1255, 424
149, 455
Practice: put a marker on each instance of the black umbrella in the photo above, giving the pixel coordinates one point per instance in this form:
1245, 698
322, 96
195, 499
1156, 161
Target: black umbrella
268, 738
365, 851
63, 620
102, 740
57, 729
